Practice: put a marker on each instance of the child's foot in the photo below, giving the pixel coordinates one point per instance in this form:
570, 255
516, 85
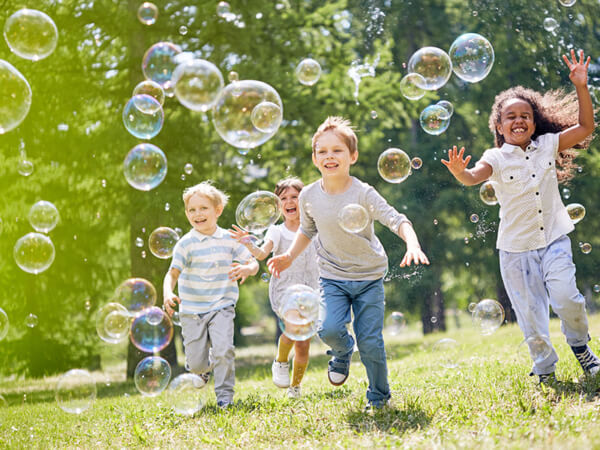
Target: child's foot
202, 381
281, 374
294, 392
224, 404
372, 407
338, 369
589, 362
547, 378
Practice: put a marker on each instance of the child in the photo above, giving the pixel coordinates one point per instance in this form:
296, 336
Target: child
303, 271
351, 265
533, 132
208, 290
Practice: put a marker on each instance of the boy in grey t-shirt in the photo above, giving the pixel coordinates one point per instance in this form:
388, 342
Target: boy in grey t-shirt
351, 265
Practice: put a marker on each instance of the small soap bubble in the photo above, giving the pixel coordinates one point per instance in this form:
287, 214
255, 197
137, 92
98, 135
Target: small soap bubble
154, 90
4, 324
152, 376
112, 323
159, 63
447, 352
416, 163
143, 254
151, 330
373, 114
434, 120
394, 165
143, 116
15, 97
395, 323
179, 231
433, 64
176, 319
597, 288
147, 13
257, 211
576, 212
183, 30
353, 218
566, 193
472, 57
266, 117
411, 86
449, 107
87, 305
567, 3
265, 277
308, 71
34, 253
75, 391
139, 242
31, 320
466, 240
586, 248
30, 34
167, 206
472, 307
233, 77
145, 167
224, 11
182, 177
299, 311
198, 84
162, 242
188, 168
474, 218
550, 24
433, 319
25, 167
488, 194
435, 221
488, 315
43, 216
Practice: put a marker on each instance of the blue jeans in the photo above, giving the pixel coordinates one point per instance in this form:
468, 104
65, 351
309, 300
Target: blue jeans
367, 301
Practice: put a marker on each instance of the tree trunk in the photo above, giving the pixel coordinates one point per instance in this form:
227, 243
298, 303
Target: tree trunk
433, 313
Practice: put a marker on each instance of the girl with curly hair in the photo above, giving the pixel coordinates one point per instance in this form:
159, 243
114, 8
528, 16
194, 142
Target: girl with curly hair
535, 136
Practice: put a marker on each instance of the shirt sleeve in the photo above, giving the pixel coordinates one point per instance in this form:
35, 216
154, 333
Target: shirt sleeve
179, 260
308, 227
381, 210
273, 234
550, 140
490, 157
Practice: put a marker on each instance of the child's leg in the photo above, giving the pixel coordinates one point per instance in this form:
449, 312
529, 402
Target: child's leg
368, 307
524, 282
301, 349
334, 315
220, 330
284, 347
196, 343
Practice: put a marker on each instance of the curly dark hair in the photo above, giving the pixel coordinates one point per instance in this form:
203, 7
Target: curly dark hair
553, 111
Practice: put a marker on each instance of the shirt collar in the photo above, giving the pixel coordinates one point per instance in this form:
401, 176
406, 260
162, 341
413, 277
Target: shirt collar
218, 234
509, 148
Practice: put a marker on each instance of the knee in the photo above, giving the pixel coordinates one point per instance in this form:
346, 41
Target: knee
330, 332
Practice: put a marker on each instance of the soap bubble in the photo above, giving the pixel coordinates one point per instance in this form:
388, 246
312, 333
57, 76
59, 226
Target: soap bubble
143, 116
197, 84
447, 352
224, 11
15, 97
416, 163
147, 13
447, 106
31, 34
152, 376
31, 320
233, 76
257, 211
34, 253
113, 323
145, 167
373, 114
353, 218
434, 119
566, 193
232, 114
266, 117
488, 194
136, 294
3, 324
159, 63
43, 216
395, 323
183, 394
472, 57
597, 288
139, 242
75, 391
154, 90
488, 315
299, 312
586, 248
567, 3
576, 212
474, 218
539, 346
550, 24
433, 64
394, 165
188, 168
308, 71
411, 86
265, 277
472, 307
176, 319
25, 167
162, 241
151, 330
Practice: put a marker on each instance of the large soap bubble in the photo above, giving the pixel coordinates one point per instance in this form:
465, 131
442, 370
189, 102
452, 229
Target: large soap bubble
353, 218
395, 323
147, 13
145, 167
472, 57
308, 71
197, 84
136, 294
34, 253
152, 375
15, 97
394, 165
266, 117
488, 315
434, 119
183, 394
75, 391
433, 64
410, 86
232, 114
488, 194
576, 212
151, 330
299, 312
257, 211
3, 324
159, 63
113, 323
154, 90
31, 34
143, 116
43, 216
162, 241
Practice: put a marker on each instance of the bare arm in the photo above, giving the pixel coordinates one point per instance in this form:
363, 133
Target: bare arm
458, 167
169, 298
413, 249
279, 263
243, 237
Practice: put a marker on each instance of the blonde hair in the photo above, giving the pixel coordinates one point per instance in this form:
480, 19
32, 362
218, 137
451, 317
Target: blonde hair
342, 128
290, 182
214, 195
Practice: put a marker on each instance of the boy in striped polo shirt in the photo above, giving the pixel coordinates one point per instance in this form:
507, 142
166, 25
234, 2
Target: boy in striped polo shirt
207, 262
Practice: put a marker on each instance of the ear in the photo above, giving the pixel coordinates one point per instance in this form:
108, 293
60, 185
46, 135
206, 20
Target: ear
314, 158
219, 210
499, 129
354, 157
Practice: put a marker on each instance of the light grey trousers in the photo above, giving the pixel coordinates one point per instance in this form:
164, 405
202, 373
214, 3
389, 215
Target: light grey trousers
538, 278
208, 345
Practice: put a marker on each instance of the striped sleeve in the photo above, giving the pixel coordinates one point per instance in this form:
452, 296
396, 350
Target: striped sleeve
180, 258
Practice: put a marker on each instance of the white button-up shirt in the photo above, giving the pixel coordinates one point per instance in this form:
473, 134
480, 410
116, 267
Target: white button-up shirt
532, 214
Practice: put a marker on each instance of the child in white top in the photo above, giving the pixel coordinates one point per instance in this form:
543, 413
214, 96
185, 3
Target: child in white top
535, 135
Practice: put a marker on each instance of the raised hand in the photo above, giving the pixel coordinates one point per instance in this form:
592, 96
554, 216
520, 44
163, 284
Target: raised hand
278, 264
455, 163
239, 272
240, 235
578, 69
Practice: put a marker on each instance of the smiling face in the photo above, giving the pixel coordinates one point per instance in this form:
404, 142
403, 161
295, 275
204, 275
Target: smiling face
517, 123
289, 204
202, 214
332, 156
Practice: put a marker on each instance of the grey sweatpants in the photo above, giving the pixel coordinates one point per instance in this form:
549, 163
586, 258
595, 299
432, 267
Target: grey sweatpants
208, 345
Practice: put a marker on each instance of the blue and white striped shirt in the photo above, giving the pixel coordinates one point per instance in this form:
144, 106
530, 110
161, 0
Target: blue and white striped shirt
204, 262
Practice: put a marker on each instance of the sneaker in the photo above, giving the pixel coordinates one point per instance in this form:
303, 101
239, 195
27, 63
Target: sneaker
545, 378
294, 392
281, 374
224, 404
338, 369
202, 380
589, 362
372, 407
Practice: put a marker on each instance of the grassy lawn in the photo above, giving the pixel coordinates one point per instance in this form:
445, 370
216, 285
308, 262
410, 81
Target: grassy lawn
488, 400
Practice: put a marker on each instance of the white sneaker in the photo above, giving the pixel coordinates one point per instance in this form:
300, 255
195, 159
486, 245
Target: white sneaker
281, 374
294, 392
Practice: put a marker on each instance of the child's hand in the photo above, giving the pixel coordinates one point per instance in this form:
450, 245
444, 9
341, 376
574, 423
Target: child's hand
239, 272
414, 254
578, 69
278, 264
240, 235
456, 164
169, 302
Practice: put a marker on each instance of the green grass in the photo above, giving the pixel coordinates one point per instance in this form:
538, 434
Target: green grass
487, 401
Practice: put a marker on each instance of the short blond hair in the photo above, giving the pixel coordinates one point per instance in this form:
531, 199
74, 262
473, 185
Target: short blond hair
342, 128
214, 195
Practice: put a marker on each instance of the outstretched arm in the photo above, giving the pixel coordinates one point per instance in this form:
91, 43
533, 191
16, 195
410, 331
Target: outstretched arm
458, 167
578, 75
169, 298
279, 263
243, 237
413, 248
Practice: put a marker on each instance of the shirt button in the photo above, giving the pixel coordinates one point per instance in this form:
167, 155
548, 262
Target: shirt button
540, 211
537, 193
533, 175
542, 228
527, 157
